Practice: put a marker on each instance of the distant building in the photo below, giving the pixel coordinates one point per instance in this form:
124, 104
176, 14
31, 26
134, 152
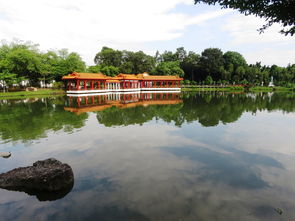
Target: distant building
78, 83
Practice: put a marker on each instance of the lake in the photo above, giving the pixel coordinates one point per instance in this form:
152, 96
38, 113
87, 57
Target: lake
190, 156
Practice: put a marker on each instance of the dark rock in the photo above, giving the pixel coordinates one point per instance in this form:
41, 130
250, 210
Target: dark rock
279, 211
5, 154
48, 179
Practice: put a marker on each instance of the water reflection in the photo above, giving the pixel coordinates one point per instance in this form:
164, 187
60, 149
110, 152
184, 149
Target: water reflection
100, 102
26, 120
30, 119
45, 195
210, 156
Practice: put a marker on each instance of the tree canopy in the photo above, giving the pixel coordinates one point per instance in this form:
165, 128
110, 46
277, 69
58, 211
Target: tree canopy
273, 11
23, 60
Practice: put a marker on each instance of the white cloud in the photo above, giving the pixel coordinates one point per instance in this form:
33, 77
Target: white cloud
270, 47
243, 29
270, 56
86, 26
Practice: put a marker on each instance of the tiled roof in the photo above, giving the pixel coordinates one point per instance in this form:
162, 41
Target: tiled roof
127, 76
100, 76
76, 75
146, 76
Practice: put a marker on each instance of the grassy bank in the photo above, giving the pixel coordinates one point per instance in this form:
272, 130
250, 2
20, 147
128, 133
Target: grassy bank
212, 89
269, 89
231, 88
24, 94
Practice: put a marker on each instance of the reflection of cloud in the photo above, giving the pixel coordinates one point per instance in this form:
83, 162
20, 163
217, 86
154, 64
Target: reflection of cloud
267, 133
227, 168
139, 172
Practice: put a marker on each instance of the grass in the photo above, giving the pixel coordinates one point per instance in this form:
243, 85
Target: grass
237, 88
213, 89
269, 89
25, 94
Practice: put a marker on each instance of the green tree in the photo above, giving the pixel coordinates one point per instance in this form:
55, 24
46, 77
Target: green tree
7, 79
273, 11
239, 74
68, 63
209, 80
211, 61
110, 71
234, 58
109, 57
137, 62
168, 68
21, 59
190, 65
168, 56
94, 69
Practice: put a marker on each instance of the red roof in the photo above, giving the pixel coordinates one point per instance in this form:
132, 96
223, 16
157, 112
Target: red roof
100, 76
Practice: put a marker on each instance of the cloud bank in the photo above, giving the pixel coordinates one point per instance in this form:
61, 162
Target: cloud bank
86, 26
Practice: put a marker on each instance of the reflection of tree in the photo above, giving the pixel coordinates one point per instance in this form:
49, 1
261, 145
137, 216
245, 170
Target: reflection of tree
209, 109
138, 115
30, 120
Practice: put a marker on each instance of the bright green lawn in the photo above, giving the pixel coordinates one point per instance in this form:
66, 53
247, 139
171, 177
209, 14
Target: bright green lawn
23, 94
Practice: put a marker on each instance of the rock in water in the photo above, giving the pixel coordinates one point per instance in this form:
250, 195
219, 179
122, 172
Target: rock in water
47, 176
5, 154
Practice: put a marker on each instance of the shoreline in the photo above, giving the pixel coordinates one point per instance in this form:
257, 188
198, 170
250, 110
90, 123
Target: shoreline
239, 89
25, 94
54, 92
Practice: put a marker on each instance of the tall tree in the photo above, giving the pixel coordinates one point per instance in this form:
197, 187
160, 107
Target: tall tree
168, 68
68, 63
108, 57
190, 66
211, 62
235, 58
137, 62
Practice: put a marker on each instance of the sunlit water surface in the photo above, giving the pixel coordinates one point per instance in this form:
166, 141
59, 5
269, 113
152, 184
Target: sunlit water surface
204, 156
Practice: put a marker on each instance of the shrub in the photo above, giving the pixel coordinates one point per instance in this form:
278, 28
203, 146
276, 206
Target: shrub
193, 82
187, 82
58, 85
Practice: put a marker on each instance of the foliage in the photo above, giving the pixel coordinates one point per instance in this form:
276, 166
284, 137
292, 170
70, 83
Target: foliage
211, 61
58, 85
234, 58
280, 11
208, 80
110, 70
168, 68
16, 119
108, 57
94, 69
209, 109
7, 79
25, 61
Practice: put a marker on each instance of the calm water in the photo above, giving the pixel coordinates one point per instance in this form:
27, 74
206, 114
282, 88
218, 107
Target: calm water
204, 156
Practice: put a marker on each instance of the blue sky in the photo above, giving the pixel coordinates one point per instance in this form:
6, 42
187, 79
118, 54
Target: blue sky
84, 26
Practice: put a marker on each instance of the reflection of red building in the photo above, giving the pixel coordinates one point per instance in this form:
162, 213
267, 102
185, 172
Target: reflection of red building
81, 104
78, 83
